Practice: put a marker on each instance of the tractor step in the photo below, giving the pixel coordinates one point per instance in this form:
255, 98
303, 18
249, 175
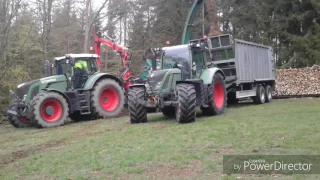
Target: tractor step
84, 104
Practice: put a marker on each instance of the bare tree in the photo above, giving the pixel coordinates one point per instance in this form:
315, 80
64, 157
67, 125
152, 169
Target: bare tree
89, 21
45, 10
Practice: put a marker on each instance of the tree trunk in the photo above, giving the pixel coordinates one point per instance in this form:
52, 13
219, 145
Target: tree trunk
46, 28
213, 18
87, 26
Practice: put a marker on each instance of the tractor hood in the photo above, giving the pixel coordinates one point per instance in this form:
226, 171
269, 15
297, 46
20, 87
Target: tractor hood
155, 79
23, 89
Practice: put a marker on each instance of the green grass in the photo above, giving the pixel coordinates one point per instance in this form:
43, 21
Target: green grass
162, 148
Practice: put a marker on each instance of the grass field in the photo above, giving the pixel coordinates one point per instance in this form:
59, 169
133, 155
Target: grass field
162, 148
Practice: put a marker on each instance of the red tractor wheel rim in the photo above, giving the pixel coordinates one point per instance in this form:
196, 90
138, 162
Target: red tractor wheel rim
109, 99
51, 110
218, 95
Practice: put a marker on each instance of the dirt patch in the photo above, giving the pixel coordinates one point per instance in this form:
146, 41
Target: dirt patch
5, 160
160, 126
226, 149
17, 155
171, 171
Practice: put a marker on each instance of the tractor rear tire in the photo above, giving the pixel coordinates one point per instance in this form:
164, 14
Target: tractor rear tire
137, 110
261, 95
217, 97
15, 121
107, 99
268, 94
169, 111
187, 103
49, 110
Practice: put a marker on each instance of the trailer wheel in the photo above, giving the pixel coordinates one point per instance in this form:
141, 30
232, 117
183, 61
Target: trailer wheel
169, 111
15, 121
137, 110
107, 99
261, 95
186, 109
49, 110
217, 97
268, 94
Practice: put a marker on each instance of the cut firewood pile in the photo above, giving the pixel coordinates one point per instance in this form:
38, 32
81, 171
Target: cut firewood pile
296, 82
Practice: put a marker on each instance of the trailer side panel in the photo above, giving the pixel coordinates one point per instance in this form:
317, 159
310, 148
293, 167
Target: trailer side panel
254, 62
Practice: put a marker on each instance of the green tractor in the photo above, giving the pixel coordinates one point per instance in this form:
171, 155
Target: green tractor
78, 92
179, 90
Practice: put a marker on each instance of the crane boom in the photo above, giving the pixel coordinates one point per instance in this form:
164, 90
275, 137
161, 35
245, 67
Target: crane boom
123, 52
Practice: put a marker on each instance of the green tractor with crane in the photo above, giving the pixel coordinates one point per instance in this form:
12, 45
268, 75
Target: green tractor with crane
78, 93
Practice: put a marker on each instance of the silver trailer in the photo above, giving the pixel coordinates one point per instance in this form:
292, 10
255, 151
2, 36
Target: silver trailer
249, 68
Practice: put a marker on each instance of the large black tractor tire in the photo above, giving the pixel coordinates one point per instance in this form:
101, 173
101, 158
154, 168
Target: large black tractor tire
107, 99
217, 97
268, 94
49, 109
169, 111
76, 116
261, 95
187, 103
15, 121
136, 101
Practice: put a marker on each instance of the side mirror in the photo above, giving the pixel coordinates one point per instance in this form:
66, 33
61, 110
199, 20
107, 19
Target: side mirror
72, 62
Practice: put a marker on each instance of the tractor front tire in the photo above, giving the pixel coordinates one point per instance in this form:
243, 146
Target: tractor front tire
217, 97
107, 99
15, 121
49, 110
137, 110
187, 105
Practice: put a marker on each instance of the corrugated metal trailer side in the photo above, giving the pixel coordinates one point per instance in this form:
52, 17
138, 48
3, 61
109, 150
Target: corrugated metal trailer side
254, 62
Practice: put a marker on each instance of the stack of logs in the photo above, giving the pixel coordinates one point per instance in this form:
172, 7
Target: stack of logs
298, 82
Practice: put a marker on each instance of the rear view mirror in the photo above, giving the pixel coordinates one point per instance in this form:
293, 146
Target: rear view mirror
72, 62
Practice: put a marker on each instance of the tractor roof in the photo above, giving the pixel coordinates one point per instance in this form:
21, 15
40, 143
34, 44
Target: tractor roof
76, 56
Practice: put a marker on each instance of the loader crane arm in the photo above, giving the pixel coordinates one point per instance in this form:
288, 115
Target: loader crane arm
122, 51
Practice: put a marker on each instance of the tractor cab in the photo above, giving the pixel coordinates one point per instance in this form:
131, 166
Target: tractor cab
76, 67
190, 59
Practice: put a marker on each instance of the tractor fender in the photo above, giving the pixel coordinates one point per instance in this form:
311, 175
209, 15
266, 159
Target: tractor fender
138, 85
62, 94
207, 74
92, 80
